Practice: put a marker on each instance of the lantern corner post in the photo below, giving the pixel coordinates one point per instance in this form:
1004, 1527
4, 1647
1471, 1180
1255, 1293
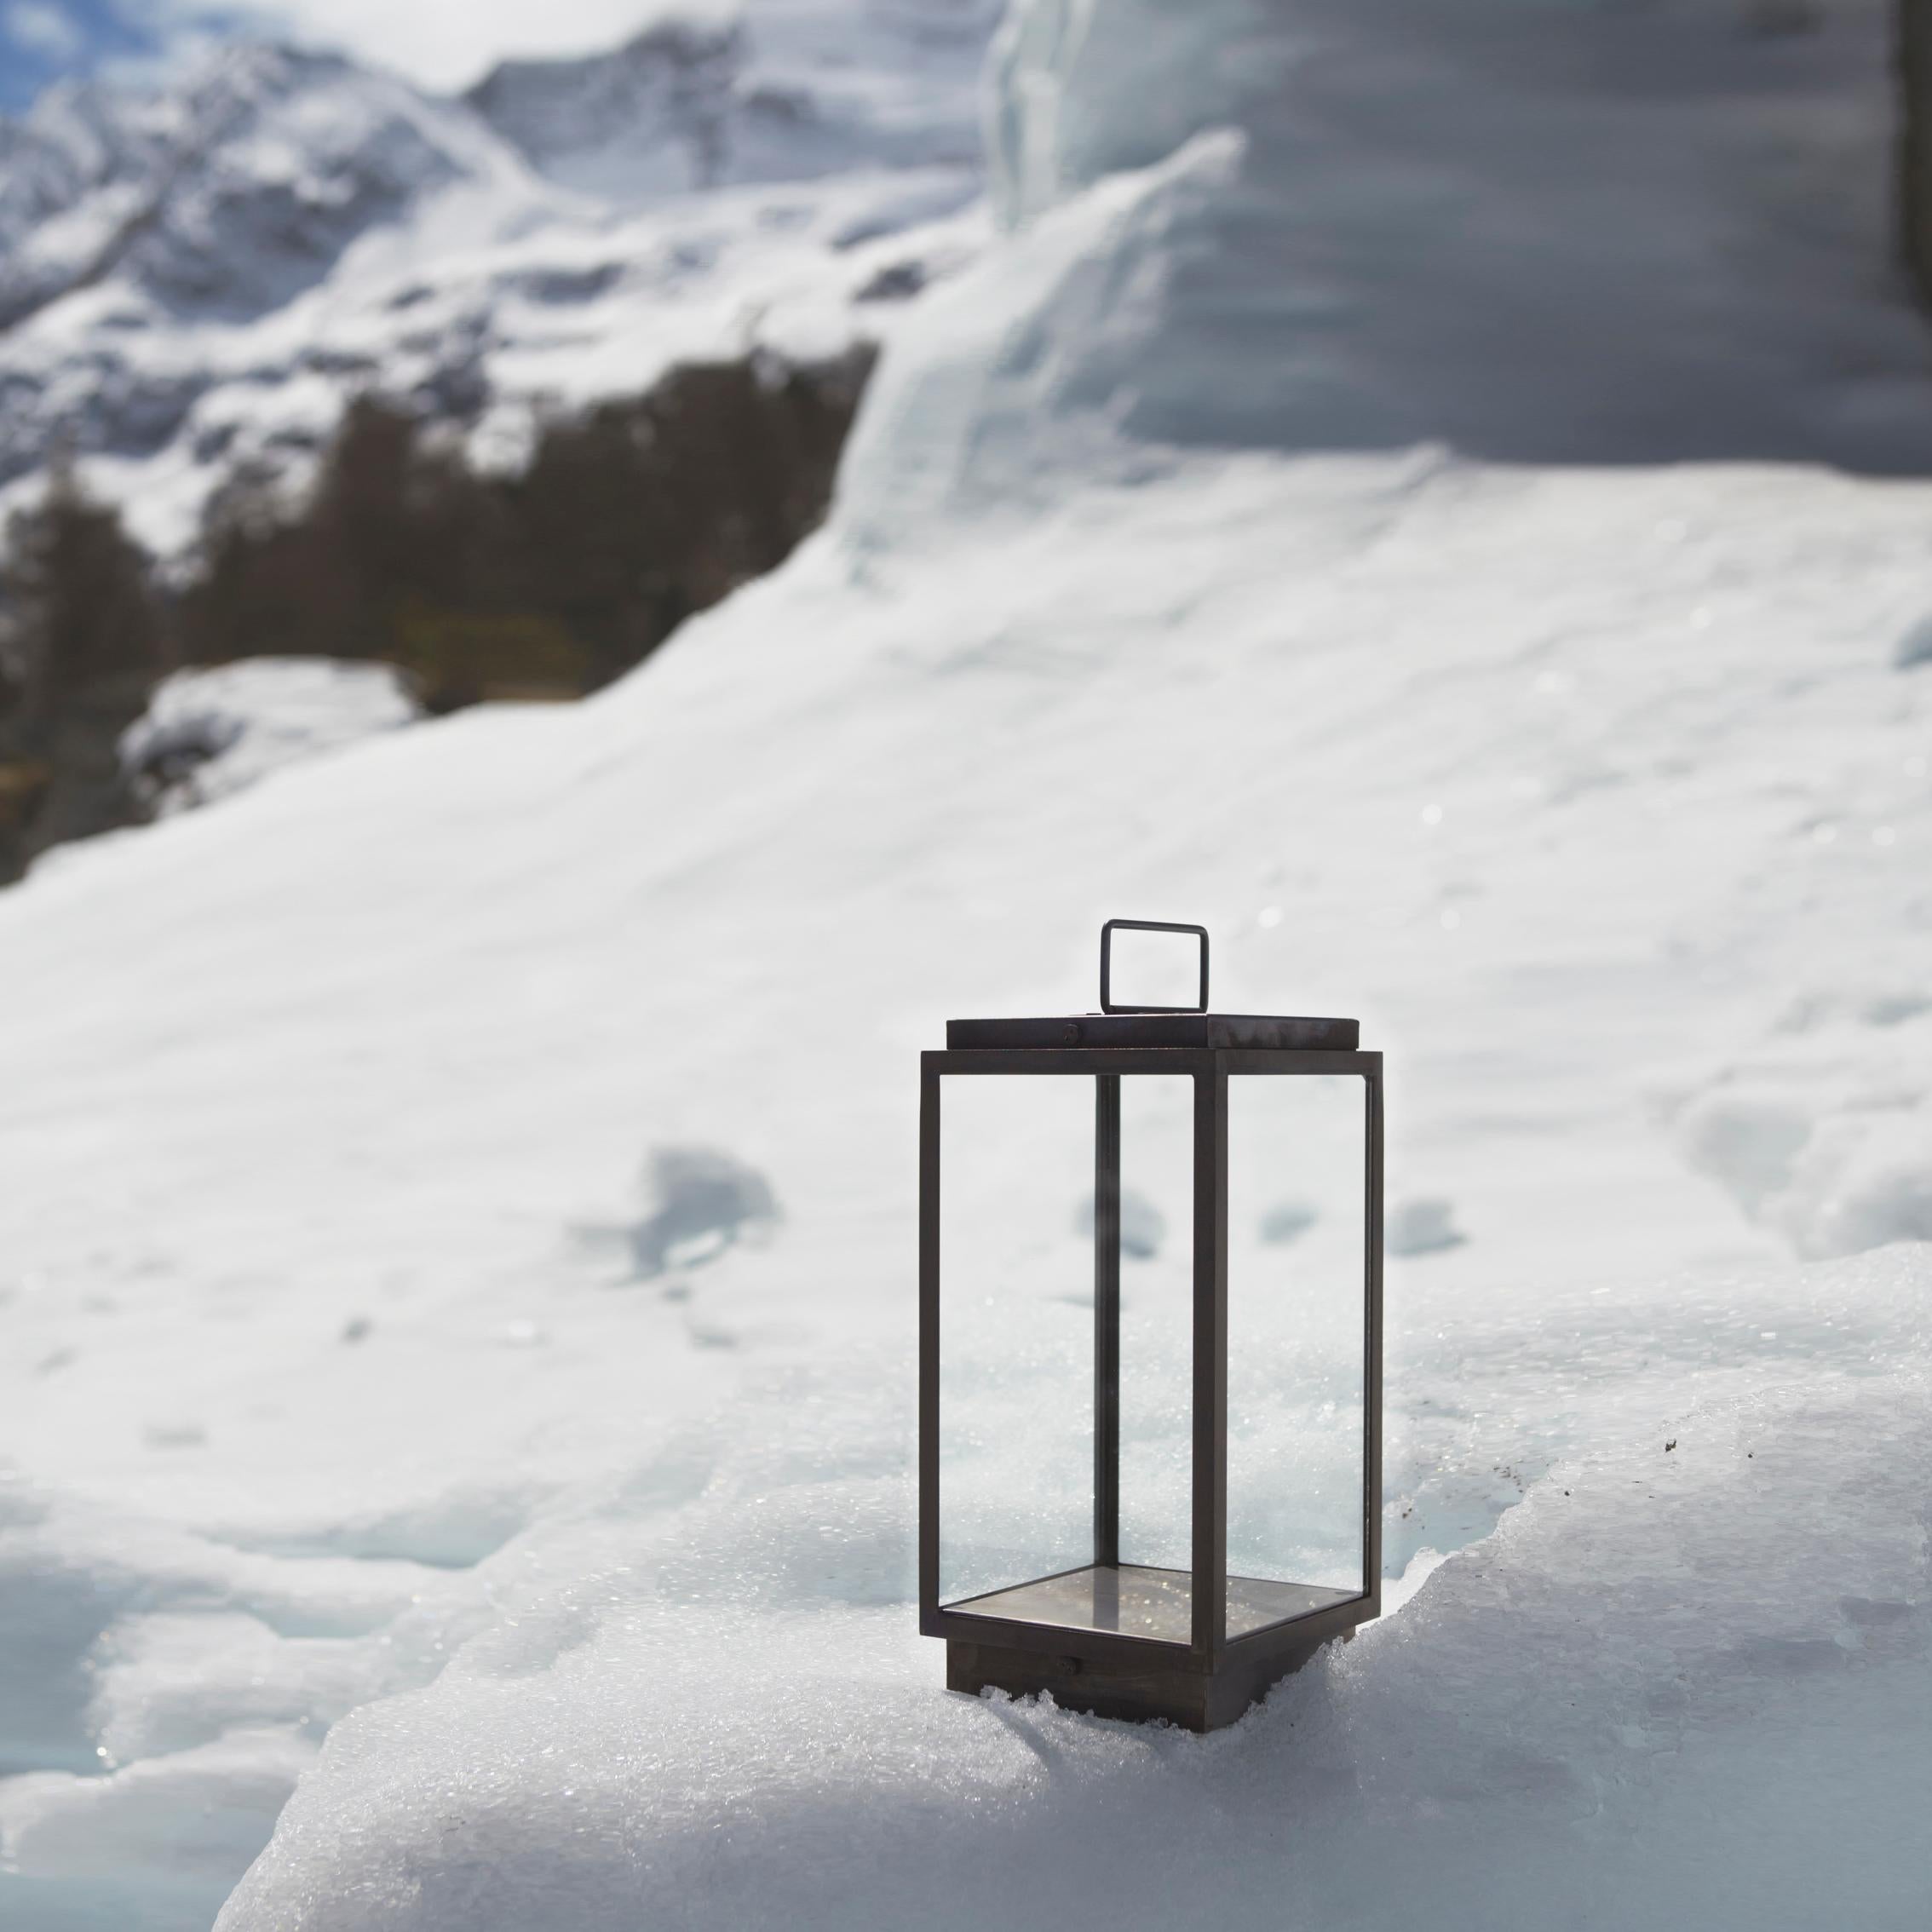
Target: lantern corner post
1107, 1321
1209, 1499
929, 1341
1371, 1361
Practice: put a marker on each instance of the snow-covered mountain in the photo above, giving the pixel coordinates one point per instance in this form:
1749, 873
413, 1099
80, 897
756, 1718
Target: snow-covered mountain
794, 89
226, 198
409, 1524
200, 273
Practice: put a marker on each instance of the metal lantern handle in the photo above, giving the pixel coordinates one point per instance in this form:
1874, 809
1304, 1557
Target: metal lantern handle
1106, 932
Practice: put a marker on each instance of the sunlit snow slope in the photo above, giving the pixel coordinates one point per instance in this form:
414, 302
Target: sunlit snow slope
366, 1423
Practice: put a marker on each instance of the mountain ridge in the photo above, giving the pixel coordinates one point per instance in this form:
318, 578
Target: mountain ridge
203, 273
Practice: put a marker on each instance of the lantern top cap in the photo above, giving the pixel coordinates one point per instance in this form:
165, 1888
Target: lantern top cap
1248, 1030
1118, 1025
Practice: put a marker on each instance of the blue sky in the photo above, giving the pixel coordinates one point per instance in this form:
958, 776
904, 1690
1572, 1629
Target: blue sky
443, 43
41, 39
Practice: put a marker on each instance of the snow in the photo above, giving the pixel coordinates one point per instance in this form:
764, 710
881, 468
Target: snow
1915, 646
773, 90
329, 1211
458, 1274
1420, 1227
1762, 1647
1539, 234
210, 732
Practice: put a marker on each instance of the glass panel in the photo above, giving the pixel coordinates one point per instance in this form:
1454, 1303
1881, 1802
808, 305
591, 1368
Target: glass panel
1016, 1330
1295, 1345
1157, 1322
1020, 1337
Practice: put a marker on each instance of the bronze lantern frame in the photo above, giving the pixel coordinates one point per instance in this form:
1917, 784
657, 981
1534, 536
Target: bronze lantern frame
1212, 1678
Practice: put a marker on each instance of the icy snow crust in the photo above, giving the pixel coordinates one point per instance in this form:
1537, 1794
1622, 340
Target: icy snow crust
369, 1434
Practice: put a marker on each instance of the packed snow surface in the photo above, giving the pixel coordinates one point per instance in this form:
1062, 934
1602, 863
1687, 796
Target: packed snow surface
209, 731
351, 1384
458, 1272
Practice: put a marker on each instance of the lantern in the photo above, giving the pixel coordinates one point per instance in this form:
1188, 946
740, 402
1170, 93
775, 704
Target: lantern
1150, 1350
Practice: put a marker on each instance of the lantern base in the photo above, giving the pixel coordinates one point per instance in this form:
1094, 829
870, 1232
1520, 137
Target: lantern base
1189, 1698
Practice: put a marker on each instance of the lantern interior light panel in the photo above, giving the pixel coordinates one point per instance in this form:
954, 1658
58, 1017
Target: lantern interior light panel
1150, 1351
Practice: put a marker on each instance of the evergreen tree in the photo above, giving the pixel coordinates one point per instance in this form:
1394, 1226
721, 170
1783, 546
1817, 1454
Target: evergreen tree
84, 644
80, 609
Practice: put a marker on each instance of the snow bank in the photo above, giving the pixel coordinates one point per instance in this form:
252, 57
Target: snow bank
360, 1421
1605, 234
206, 733
308, 1278
1686, 1678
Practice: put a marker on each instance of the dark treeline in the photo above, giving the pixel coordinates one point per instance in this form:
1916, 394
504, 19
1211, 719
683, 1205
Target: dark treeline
84, 640
549, 582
